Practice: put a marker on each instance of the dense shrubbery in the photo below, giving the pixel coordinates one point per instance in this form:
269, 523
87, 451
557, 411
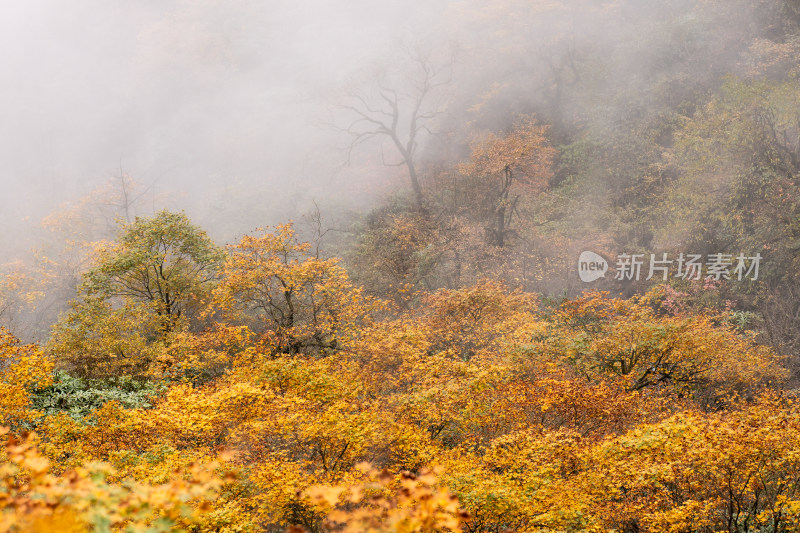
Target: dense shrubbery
483, 409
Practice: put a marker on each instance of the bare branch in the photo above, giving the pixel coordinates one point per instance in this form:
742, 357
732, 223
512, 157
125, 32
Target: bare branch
401, 117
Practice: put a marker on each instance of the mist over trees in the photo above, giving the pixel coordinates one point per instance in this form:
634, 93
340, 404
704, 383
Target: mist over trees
280, 267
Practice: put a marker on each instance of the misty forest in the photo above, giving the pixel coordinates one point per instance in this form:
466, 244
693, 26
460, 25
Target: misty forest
447, 266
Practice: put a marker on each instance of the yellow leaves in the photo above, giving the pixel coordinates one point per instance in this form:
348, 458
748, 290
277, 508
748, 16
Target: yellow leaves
189, 417
691, 468
33, 499
689, 353
99, 340
529, 413
473, 319
61, 520
382, 502
20, 290
295, 302
329, 496
23, 367
279, 482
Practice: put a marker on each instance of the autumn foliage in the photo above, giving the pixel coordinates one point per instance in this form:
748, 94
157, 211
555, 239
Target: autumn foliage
303, 404
433, 363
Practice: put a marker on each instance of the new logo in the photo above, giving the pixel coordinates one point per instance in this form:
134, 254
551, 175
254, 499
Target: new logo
591, 266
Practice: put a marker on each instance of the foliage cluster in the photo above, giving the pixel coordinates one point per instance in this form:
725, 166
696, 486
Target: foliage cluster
304, 405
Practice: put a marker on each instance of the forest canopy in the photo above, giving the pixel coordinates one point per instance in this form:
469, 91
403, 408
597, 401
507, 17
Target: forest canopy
432, 359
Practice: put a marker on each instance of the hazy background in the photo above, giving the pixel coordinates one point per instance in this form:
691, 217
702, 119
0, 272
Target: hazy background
206, 101
223, 108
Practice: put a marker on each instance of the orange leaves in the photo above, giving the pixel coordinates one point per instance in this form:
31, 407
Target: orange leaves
522, 156
33, 499
473, 319
526, 150
383, 502
586, 417
711, 470
201, 356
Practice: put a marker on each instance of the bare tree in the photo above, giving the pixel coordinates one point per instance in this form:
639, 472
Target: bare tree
128, 197
399, 113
